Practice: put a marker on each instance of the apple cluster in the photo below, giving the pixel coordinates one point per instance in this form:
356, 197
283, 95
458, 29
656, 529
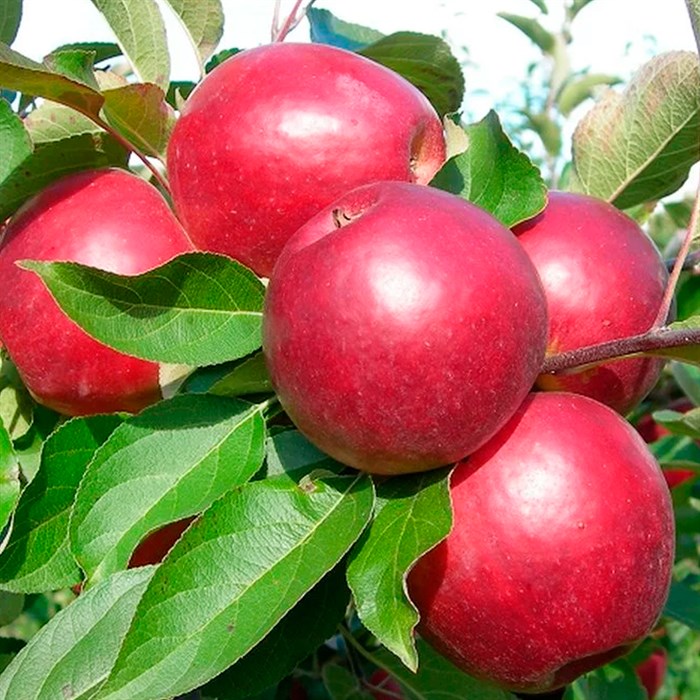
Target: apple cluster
404, 329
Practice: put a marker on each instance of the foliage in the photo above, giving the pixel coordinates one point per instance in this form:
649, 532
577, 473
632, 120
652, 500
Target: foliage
293, 572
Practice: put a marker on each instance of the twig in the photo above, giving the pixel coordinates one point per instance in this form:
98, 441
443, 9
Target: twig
657, 339
130, 147
690, 235
691, 262
293, 18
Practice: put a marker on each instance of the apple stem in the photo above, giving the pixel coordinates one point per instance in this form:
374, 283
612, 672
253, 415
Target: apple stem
655, 339
690, 235
141, 156
293, 18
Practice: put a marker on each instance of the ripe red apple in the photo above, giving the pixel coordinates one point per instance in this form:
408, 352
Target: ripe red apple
109, 219
652, 671
276, 133
154, 547
560, 555
402, 328
604, 280
651, 431
383, 686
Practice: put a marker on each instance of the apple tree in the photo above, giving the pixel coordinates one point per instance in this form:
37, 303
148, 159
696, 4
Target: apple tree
313, 386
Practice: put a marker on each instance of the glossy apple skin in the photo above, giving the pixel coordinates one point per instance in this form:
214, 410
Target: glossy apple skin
396, 343
604, 280
560, 555
154, 547
276, 133
110, 219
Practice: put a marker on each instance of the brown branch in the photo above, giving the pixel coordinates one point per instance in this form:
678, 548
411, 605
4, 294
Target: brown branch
658, 339
690, 234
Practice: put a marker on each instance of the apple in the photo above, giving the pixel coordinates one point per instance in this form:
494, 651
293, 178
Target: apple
604, 280
153, 548
651, 431
276, 133
560, 555
383, 686
402, 327
652, 671
109, 219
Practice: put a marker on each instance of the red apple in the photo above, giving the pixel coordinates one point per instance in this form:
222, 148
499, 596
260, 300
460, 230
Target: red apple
560, 555
154, 547
383, 686
604, 280
652, 671
651, 431
276, 133
109, 219
403, 326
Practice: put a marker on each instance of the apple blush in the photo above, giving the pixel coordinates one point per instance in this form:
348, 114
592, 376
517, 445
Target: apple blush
402, 328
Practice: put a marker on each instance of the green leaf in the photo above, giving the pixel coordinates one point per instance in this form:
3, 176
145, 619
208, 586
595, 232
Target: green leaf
437, 678
140, 31
682, 353
581, 88
616, 681
140, 113
533, 30
494, 175
178, 92
542, 5
688, 379
10, 18
38, 556
17, 72
76, 64
290, 455
342, 684
548, 130
326, 28
694, 12
15, 143
135, 484
28, 446
683, 605
249, 376
102, 50
413, 514
203, 21
302, 630
72, 655
16, 405
196, 309
11, 606
577, 6
219, 57
262, 547
427, 62
9, 648
65, 141
687, 423
9, 479
639, 145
